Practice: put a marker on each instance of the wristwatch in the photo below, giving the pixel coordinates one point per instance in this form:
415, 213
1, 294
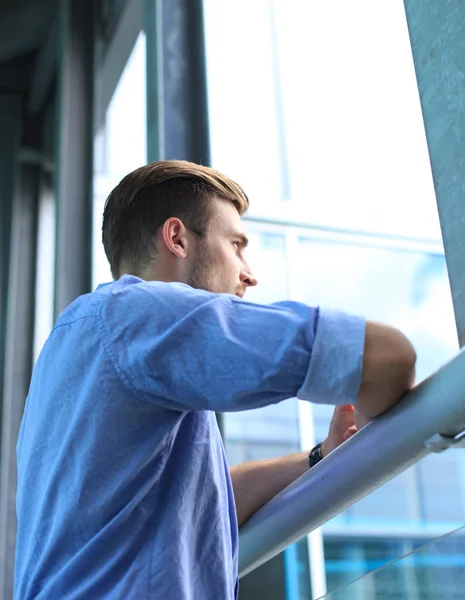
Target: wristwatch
315, 456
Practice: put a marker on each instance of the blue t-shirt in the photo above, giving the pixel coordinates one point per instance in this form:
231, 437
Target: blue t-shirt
123, 486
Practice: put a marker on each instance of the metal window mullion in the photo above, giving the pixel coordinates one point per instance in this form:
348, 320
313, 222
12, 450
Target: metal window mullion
73, 267
438, 47
177, 111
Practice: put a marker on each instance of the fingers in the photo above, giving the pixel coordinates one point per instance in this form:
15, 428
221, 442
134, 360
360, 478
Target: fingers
345, 408
350, 432
343, 413
360, 420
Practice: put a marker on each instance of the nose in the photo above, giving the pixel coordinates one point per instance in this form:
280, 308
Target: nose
248, 279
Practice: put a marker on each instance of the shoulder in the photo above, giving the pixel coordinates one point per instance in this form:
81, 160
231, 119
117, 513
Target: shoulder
131, 293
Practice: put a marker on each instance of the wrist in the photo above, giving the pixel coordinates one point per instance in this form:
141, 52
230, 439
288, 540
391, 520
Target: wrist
324, 450
315, 456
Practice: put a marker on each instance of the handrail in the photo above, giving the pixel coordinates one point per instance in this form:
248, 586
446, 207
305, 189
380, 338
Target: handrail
385, 447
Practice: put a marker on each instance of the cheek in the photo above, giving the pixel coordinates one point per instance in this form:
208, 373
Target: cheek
229, 265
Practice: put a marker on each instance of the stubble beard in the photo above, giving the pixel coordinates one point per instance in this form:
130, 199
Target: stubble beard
201, 274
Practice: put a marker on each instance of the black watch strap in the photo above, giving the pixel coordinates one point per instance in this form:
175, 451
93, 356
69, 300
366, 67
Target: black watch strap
315, 456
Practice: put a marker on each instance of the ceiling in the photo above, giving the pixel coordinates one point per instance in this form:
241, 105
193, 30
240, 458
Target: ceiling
24, 25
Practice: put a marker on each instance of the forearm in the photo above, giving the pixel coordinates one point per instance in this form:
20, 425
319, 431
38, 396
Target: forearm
256, 482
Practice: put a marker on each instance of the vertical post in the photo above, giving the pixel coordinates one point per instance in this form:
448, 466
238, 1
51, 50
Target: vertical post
154, 85
437, 36
177, 114
74, 160
291, 573
18, 358
10, 126
10, 116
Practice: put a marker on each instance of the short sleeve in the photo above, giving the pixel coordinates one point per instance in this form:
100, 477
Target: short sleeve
335, 370
188, 349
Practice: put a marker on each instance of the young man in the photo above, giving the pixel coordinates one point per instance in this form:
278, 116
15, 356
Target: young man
124, 491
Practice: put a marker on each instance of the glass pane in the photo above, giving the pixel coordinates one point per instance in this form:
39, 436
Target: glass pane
318, 117
408, 289
442, 483
433, 571
45, 265
349, 559
356, 145
397, 500
46, 229
320, 99
284, 577
242, 88
119, 146
266, 255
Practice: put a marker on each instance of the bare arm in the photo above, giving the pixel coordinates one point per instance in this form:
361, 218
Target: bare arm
388, 373
388, 369
256, 482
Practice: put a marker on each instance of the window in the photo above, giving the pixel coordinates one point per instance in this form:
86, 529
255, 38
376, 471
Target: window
119, 145
45, 264
314, 109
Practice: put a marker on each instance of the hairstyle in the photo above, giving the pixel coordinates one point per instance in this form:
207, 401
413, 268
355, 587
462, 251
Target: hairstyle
142, 202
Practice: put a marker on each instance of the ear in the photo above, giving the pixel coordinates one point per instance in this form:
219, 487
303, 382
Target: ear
175, 237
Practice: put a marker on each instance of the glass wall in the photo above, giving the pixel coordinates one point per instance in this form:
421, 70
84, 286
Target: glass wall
323, 127
425, 571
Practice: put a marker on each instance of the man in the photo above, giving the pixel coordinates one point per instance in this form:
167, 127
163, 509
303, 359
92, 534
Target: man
123, 487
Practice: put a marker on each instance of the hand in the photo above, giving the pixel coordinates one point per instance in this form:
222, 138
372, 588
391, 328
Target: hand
359, 420
345, 422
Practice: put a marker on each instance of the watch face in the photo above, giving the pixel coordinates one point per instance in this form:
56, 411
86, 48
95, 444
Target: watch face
315, 456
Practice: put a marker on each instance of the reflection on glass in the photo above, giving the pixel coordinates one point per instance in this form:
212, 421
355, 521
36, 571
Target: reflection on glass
433, 571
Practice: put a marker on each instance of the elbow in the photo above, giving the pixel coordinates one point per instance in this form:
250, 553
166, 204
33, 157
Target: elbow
388, 354
406, 359
405, 353
388, 369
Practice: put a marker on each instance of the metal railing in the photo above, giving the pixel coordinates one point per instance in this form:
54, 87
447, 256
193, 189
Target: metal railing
430, 418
